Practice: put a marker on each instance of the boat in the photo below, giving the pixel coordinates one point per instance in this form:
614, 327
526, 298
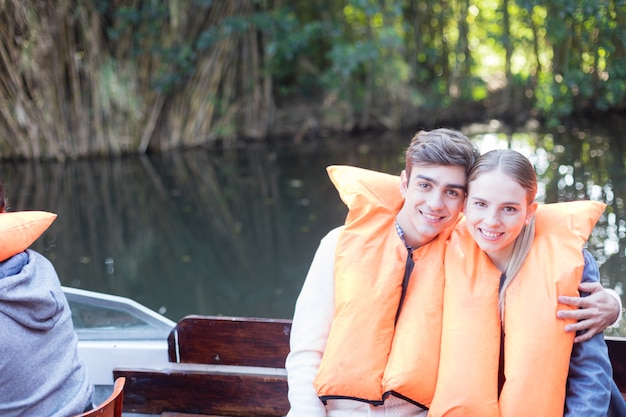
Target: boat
202, 365
116, 331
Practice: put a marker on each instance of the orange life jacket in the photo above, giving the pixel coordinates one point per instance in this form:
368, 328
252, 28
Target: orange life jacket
367, 356
536, 347
19, 229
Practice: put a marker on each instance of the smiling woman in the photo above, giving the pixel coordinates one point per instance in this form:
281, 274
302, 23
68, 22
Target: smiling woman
499, 205
499, 247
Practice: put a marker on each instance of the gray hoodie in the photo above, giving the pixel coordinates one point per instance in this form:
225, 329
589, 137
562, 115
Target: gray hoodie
41, 374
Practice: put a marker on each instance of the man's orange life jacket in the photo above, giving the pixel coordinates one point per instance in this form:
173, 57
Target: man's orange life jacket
367, 356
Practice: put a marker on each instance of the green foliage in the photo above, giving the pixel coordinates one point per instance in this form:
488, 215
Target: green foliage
290, 40
588, 48
143, 26
570, 52
207, 69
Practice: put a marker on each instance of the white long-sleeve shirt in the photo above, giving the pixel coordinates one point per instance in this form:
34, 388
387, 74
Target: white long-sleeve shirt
314, 312
617, 297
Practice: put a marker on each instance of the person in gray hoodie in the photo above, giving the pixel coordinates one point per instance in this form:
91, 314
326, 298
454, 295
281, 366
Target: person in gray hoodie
41, 374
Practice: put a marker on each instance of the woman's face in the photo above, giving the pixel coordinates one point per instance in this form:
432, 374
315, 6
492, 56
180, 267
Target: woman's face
496, 209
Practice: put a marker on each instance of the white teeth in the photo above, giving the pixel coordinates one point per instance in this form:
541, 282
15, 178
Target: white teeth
431, 217
490, 235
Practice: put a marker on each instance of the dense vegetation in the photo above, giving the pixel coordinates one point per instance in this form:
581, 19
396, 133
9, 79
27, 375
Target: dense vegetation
107, 77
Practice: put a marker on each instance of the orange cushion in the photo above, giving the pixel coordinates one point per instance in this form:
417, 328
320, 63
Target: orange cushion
19, 229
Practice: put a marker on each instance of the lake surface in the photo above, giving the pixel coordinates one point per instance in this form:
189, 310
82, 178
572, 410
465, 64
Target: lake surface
232, 232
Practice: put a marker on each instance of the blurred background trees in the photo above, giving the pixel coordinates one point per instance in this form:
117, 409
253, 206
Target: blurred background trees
83, 78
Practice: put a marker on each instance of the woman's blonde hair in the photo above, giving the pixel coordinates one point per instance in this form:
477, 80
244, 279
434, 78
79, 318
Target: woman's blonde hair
518, 167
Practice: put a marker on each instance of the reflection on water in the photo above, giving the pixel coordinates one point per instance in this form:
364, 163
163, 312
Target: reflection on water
233, 232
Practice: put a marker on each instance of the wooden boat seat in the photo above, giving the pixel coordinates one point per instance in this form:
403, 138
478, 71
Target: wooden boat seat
219, 366
112, 406
234, 366
175, 414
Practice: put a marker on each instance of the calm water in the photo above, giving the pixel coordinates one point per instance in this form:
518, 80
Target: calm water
233, 232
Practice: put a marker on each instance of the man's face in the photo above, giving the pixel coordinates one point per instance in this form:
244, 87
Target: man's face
433, 199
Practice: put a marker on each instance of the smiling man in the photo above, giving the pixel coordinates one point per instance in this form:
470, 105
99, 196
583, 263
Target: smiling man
365, 274
433, 198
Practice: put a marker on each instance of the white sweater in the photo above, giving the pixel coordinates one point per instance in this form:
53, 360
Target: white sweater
314, 312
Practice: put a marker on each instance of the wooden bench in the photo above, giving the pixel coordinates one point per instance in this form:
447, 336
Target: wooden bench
222, 366
233, 366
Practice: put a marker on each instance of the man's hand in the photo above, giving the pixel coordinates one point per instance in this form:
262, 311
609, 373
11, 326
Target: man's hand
595, 312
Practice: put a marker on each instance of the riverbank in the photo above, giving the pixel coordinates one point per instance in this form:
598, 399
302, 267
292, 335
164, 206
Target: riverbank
298, 119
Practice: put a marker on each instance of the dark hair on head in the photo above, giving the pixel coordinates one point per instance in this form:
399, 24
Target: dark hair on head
519, 168
441, 147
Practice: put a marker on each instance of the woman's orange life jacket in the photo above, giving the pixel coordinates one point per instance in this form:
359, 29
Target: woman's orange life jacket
536, 347
366, 356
